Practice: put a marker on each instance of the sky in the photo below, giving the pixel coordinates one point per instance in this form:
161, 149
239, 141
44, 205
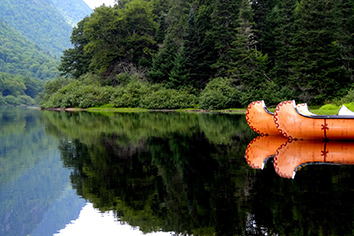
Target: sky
96, 3
91, 222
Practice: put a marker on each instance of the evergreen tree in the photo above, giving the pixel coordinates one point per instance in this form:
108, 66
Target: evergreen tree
248, 65
344, 19
179, 76
276, 40
224, 22
318, 74
161, 30
262, 9
176, 19
162, 62
185, 71
205, 53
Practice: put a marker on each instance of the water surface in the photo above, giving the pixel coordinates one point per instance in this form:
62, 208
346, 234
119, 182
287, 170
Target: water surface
157, 173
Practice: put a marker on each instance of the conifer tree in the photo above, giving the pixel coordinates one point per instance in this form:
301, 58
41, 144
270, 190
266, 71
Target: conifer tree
224, 22
179, 76
191, 60
318, 74
248, 63
176, 19
344, 21
162, 63
262, 9
276, 40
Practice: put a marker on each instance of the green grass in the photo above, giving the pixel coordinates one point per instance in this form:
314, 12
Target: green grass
122, 110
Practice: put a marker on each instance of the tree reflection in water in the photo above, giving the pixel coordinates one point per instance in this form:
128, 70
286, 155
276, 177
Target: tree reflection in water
186, 173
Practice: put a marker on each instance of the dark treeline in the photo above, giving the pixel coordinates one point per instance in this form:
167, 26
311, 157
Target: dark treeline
212, 53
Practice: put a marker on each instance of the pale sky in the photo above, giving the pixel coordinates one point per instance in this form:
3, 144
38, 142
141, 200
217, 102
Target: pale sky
92, 223
96, 3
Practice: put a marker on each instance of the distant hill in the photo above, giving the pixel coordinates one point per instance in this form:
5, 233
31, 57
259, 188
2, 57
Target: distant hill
33, 35
20, 56
73, 11
42, 21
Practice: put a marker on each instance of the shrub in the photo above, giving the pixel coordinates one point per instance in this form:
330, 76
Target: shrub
131, 94
168, 99
12, 100
219, 93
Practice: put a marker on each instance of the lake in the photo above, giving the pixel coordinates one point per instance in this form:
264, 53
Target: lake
166, 173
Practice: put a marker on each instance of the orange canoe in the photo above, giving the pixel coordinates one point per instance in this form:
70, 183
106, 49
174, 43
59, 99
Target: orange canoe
293, 155
260, 119
294, 125
261, 148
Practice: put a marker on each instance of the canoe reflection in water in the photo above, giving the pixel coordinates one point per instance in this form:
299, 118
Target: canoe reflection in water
290, 156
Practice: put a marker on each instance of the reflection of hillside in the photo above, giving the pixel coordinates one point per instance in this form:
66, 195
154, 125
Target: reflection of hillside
25, 201
21, 141
32, 179
159, 170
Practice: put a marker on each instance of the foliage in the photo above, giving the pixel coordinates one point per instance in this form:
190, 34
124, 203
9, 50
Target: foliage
17, 90
220, 93
79, 94
131, 94
271, 50
39, 22
19, 56
120, 35
169, 99
75, 62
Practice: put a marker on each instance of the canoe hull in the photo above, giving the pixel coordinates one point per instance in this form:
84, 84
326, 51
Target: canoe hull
296, 126
260, 119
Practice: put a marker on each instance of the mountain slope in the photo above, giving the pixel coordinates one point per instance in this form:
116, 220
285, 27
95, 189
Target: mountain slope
73, 11
39, 21
19, 56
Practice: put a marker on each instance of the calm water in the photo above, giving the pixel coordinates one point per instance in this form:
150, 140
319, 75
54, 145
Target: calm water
165, 174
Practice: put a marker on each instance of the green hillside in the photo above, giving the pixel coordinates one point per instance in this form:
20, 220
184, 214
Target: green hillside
19, 56
40, 22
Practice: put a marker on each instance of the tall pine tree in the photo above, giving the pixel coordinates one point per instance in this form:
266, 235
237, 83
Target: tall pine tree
318, 74
248, 65
224, 22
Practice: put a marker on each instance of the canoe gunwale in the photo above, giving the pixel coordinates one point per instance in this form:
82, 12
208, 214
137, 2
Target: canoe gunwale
266, 109
322, 116
294, 125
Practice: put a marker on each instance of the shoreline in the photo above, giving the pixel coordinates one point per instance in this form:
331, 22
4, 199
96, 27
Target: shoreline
71, 109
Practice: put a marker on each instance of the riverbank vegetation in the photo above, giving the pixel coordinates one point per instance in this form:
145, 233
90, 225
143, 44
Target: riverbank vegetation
207, 54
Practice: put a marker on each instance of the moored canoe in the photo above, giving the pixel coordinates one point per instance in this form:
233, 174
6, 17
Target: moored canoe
260, 119
294, 125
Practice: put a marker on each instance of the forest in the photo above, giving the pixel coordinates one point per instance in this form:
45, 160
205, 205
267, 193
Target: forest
208, 54
33, 35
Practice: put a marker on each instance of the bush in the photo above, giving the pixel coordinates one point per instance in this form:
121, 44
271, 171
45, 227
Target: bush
220, 93
131, 94
168, 99
12, 100
77, 94
349, 98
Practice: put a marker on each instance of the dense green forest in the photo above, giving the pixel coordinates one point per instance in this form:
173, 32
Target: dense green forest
40, 22
20, 56
210, 54
33, 35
